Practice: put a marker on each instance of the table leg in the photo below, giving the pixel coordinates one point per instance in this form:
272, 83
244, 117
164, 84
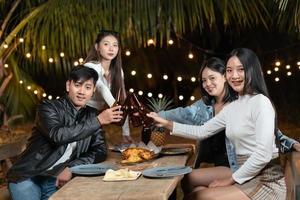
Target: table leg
173, 195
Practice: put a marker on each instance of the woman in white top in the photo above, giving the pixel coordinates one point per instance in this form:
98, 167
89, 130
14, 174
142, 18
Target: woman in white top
105, 58
250, 122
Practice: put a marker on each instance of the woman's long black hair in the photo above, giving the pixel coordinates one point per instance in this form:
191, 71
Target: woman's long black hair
217, 65
115, 68
254, 79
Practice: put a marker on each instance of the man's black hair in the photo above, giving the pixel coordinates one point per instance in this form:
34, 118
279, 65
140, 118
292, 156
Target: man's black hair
81, 73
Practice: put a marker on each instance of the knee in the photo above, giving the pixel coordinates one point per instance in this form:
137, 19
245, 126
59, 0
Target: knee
24, 190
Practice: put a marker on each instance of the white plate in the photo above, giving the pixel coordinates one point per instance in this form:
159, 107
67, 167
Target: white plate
163, 172
91, 169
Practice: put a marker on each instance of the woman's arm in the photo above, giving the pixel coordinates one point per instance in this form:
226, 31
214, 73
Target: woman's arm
195, 114
210, 128
287, 144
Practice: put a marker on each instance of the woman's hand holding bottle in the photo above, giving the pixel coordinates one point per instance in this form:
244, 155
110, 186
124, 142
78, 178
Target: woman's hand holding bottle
161, 122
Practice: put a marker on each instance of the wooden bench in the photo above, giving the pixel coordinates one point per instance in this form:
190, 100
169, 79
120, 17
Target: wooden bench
7, 152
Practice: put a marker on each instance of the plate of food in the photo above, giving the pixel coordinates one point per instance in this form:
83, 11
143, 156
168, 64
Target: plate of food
121, 175
175, 151
91, 169
166, 172
135, 155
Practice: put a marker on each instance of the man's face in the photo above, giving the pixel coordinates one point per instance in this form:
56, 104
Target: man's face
80, 92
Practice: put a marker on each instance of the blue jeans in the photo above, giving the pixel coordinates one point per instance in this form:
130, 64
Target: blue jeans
36, 188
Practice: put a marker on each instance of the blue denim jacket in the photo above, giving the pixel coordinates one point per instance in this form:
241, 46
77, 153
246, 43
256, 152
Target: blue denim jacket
198, 113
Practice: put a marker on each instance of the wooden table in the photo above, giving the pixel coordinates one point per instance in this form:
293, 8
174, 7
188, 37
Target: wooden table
144, 188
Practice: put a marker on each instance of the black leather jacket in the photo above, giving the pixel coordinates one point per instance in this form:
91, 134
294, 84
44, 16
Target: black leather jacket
58, 123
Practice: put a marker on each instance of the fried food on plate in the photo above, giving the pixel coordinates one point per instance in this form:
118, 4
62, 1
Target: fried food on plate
136, 154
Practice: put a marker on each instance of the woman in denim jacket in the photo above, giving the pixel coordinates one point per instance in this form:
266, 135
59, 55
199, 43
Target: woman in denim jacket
215, 94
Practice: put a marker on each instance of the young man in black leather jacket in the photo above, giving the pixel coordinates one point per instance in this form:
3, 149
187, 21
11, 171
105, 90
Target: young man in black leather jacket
67, 133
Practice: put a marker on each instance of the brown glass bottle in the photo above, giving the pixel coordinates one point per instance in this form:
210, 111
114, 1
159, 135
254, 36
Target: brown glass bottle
146, 134
124, 115
139, 111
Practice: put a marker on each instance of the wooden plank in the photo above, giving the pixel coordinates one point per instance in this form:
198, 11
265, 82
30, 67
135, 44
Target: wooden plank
292, 175
144, 188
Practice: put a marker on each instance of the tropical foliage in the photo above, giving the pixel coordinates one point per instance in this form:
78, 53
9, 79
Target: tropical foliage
159, 104
70, 26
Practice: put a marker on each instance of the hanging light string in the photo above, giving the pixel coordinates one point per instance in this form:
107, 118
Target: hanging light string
179, 78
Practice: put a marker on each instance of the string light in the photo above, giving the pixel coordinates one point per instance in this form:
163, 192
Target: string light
165, 77
180, 97
50, 97
179, 78
160, 95
289, 73
76, 63
6, 65
288, 66
51, 60
150, 42
140, 93
43, 47
269, 72
21, 40
298, 63
29, 87
171, 42
133, 72
57, 97
62, 54
191, 56
149, 75
21, 82
44, 95
127, 53
35, 92
276, 69
5, 46
149, 94
277, 79
80, 60
192, 98
193, 79
277, 63
28, 55
131, 90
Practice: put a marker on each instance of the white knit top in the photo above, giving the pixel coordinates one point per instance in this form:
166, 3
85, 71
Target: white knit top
103, 94
249, 123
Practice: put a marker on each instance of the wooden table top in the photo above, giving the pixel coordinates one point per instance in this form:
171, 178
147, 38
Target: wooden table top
92, 188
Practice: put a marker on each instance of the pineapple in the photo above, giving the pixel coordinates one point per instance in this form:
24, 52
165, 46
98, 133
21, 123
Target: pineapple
158, 134
158, 137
